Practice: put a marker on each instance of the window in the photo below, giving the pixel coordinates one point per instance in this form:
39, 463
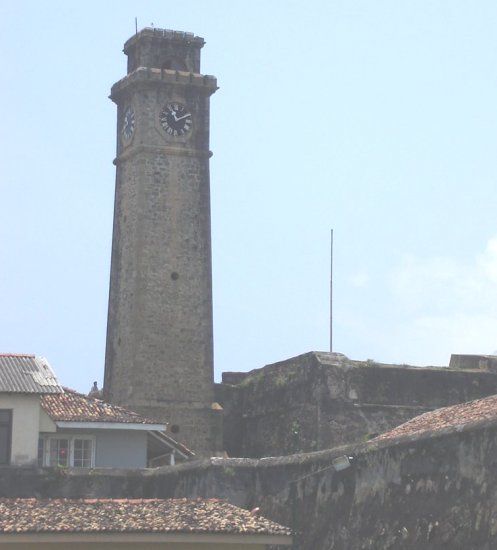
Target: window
58, 452
72, 451
82, 453
5, 435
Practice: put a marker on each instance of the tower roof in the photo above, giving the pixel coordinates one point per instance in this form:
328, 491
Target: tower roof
164, 49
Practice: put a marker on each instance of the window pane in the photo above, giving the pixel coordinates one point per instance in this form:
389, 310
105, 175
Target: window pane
59, 452
82, 453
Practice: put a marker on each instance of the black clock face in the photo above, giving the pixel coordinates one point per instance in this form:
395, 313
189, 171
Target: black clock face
128, 124
176, 119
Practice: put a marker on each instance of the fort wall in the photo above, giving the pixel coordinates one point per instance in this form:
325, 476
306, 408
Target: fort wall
320, 400
428, 492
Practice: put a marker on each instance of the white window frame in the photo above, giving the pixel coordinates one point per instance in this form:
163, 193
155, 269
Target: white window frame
71, 438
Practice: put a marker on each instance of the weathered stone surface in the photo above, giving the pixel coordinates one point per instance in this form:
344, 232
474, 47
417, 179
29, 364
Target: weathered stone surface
478, 362
411, 494
159, 355
321, 400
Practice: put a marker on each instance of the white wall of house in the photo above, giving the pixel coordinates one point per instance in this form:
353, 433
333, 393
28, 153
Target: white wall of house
25, 426
47, 425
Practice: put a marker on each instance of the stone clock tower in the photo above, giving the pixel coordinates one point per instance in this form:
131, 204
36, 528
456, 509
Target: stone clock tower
159, 357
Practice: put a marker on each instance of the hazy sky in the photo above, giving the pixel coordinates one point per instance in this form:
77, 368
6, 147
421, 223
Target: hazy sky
377, 119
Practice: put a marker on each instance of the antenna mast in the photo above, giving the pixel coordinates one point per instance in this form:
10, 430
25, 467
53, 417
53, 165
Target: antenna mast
331, 292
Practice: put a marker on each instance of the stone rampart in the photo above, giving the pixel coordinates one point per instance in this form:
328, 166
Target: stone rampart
430, 492
321, 400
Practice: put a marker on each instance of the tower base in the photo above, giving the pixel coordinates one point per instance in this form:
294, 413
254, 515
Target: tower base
197, 427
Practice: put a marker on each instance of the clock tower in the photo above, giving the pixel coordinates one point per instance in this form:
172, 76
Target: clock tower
159, 356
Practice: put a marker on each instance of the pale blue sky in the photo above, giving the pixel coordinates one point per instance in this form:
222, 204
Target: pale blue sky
377, 119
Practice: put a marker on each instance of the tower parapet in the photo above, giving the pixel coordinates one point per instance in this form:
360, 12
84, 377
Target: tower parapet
164, 49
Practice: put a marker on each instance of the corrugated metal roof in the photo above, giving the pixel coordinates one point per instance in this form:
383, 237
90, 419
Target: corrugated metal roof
27, 374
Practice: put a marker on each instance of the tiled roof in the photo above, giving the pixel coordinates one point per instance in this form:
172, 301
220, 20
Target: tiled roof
131, 516
27, 374
447, 419
71, 406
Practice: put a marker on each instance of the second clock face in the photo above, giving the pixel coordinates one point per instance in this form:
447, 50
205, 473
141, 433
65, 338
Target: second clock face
128, 126
176, 119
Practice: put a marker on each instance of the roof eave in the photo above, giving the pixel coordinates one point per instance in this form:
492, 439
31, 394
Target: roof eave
91, 425
208, 537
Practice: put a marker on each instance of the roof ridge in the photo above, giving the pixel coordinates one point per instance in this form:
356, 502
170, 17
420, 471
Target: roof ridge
98, 400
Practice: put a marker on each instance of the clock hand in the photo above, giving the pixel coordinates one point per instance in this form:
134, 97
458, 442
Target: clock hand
182, 117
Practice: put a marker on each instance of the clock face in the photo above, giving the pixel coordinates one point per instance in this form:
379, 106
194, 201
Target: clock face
128, 124
176, 119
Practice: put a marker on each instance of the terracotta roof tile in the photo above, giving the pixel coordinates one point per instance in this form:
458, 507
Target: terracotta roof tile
131, 516
447, 418
71, 406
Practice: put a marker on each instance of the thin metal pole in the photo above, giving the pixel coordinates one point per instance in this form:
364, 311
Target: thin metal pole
331, 292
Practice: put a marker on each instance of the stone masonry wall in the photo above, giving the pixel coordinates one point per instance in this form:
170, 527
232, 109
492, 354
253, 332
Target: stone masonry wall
159, 352
413, 494
321, 400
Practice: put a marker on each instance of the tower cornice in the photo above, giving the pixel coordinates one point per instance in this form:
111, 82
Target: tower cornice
146, 76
